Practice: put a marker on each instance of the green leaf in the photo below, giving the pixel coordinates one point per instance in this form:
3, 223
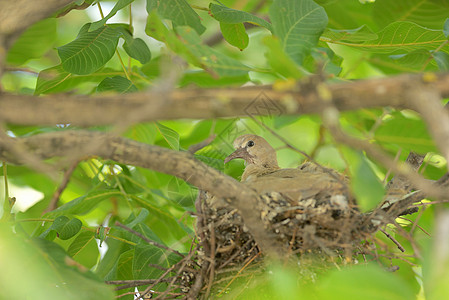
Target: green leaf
80, 243
85, 204
169, 135
409, 134
279, 61
361, 34
299, 25
33, 43
118, 6
427, 13
156, 29
235, 34
118, 84
232, 16
365, 185
180, 12
145, 133
50, 273
370, 281
446, 28
149, 254
138, 49
211, 59
90, 50
442, 60
140, 218
56, 79
404, 37
64, 227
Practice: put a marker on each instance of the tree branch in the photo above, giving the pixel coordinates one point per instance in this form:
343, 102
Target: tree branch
210, 103
183, 165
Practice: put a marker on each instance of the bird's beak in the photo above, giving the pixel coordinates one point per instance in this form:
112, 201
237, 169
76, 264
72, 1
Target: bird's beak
239, 153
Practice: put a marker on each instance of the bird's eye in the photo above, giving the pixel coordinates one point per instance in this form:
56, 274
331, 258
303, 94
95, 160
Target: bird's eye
250, 144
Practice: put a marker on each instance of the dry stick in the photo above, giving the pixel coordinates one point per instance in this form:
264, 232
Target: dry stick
184, 262
415, 223
148, 240
331, 118
201, 103
196, 147
238, 273
133, 283
393, 240
54, 200
212, 258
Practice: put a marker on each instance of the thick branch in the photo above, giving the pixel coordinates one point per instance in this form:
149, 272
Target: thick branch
16, 16
210, 103
180, 164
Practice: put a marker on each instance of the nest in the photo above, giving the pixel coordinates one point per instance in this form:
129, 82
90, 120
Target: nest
326, 223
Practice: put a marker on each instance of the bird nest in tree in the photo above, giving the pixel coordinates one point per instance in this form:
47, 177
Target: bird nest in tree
306, 209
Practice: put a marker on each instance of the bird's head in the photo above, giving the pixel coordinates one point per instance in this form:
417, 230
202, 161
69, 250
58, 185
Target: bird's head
255, 150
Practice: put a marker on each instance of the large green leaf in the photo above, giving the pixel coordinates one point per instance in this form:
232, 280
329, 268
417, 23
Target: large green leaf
63, 227
90, 50
370, 281
279, 61
50, 273
118, 6
403, 37
117, 84
84, 204
299, 25
211, 59
409, 134
427, 13
365, 185
56, 79
179, 12
84, 249
169, 135
232, 16
357, 35
149, 254
33, 43
235, 34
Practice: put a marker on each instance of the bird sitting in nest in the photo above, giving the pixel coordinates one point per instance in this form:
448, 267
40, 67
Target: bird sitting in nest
305, 207
263, 174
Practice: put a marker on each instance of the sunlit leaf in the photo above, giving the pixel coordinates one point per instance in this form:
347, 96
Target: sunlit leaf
409, 134
427, 13
56, 79
232, 16
169, 135
404, 37
90, 50
235, 34
33, 43
118, 6
298, 24
118, 84
181, 13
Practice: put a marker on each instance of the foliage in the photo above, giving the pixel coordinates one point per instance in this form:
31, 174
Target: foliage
344, 39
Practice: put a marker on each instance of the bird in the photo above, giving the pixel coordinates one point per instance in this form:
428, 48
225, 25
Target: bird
263, 174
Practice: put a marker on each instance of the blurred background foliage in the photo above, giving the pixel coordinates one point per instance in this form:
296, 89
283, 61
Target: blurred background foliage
65, 252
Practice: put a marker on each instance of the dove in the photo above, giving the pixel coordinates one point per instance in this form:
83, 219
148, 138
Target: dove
263, 174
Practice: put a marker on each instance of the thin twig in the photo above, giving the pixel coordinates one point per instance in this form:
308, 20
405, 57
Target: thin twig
148, 240
393, 240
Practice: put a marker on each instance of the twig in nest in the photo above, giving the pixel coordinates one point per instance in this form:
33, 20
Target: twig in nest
212, 258
393, 240
148, 240
238, 273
